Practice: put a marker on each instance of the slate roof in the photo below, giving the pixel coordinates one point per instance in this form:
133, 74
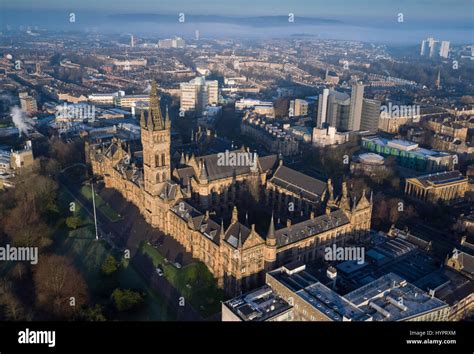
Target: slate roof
440, 178
233, 232
299, 183
197, 221
215, 172
310, 227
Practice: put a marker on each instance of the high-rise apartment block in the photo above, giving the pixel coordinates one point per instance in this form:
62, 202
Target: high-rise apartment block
355, 113
198, 93
433, 48
370, 115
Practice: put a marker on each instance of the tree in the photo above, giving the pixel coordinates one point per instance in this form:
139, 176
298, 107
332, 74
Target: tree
13, 308
73, 222
60, 288
92, 314
110, 265
126, 299
25, 228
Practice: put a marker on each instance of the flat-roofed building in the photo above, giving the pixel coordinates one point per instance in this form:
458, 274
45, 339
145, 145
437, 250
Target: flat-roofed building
261, 304
311, 300
387, 298
392, 298
449, 187
410, 155
130, 100
102, 98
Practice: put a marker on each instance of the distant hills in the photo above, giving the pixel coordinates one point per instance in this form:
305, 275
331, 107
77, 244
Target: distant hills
257, 21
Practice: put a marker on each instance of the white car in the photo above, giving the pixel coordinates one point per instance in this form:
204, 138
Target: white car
159, 271
177, 265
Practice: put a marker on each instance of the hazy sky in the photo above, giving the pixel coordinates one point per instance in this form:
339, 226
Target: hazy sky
423, 9
365, 20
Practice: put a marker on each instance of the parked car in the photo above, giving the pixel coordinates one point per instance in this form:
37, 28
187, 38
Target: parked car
177, 265
159, 271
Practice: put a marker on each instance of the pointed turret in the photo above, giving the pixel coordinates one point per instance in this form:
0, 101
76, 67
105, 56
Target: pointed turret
271, 240
363, 202
235, 215
182, 161
222, 234
167, 119
203, 175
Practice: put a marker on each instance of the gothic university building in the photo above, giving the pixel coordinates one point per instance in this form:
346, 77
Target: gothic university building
196, 201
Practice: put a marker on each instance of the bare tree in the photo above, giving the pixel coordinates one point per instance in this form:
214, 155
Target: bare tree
60, 288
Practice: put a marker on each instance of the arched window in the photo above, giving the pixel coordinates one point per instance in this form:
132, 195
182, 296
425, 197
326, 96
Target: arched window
163, 163
164, 177
157, 160
158, 178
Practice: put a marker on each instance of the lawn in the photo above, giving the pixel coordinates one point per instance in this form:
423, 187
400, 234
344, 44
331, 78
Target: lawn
88, 255
101, 204
203, 294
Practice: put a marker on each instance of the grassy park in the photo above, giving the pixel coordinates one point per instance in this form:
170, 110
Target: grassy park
194, 281
101, 204
88, 255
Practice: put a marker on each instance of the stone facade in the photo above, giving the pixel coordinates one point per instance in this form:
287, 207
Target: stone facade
177, 200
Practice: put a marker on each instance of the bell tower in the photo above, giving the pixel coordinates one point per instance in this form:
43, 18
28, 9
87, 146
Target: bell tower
156, 139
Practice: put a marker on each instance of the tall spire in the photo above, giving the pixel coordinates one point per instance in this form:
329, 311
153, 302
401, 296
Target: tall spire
154, 114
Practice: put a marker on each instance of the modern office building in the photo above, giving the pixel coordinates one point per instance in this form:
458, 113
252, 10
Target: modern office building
355, 113
410, 155
370, 115
448, 187
299, 296
197, 94
261, 304
392, 298
337, 111
172, 43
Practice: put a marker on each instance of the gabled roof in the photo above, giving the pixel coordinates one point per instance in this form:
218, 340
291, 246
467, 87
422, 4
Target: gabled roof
299, 183
236, 231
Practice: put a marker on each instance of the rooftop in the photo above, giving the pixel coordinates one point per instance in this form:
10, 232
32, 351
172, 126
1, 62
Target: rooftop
391, 298
258, 305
